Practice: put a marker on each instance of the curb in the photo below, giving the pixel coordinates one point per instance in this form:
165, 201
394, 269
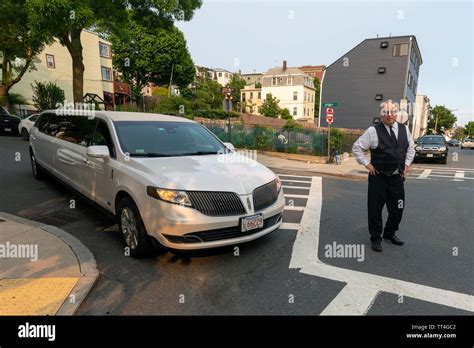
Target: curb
86, 260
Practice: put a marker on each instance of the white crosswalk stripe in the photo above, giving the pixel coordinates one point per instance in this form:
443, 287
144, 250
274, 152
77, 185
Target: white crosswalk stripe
429, 173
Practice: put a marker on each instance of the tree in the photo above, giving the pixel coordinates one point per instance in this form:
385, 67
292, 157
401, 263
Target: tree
270, 107
469, 129
237, 83
46, 96
440, 117
145, 56
65, 20
317, 85
205, 94
19, 45
285, 114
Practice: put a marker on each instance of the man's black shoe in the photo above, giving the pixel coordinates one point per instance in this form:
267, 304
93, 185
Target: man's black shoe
377, 247
394, 240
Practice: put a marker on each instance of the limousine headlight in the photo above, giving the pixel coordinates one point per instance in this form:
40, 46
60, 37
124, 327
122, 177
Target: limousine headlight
278, 184
171, 196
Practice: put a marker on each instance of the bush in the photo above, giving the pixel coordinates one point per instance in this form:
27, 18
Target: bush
47, 95
16, 99
338, 138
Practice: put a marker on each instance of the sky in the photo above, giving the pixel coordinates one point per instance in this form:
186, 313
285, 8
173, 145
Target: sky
255, 35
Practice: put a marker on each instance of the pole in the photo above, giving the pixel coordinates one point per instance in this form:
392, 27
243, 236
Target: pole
436, 124
171, 80
329, 141
229, 128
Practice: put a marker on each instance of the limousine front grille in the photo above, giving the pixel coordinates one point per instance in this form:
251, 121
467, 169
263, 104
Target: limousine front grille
216, 203
223, 233
265, 196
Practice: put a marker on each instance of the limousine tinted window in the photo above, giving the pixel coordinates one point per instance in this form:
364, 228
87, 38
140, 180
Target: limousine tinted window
102, 137
75, 129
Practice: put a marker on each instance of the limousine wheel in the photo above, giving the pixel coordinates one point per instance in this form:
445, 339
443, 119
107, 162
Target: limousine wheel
35, 167
133, 230
25, 134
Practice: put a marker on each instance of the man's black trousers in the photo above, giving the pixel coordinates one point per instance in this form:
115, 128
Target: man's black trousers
383, 190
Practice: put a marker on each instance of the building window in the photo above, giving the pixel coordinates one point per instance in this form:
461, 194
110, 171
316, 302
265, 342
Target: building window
259, 95
104, 50
289, 80
274, 81
400, 50
378, 96
295, 111
305, 96
243, 96
220, 74
384, 44
409, 79
50, 61
106, 73
295, 95
251, 95
381, 70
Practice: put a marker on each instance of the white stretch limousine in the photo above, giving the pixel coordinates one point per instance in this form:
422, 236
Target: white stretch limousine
168, 180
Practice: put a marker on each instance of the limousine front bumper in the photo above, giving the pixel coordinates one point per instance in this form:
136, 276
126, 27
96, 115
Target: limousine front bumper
185, 228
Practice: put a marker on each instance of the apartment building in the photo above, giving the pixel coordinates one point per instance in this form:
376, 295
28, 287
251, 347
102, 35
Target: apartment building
251, 99
375, 70
293, 88
55, 65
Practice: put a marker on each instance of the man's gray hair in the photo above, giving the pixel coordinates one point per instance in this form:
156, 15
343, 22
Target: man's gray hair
383, 108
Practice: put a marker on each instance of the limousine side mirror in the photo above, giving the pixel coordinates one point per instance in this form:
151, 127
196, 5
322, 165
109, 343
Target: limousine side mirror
229, 146
98, 151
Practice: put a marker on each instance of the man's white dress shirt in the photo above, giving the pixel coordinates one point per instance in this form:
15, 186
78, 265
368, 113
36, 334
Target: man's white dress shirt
370, 140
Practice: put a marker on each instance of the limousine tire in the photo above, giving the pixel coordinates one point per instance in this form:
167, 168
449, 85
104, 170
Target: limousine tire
38, 172
132, 228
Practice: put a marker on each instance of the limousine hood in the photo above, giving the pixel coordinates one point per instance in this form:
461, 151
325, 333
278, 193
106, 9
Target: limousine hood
230, 172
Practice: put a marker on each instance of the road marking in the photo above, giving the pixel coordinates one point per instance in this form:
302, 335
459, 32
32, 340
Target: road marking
296, 196
296, 176
300, 181
290, 207
460, 175
450, 177
295, 187
446, 168
305, 257
290, 226
425, 174
352, 300
466, 188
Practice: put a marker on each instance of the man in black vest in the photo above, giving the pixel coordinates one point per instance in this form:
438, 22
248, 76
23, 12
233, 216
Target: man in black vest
391, 152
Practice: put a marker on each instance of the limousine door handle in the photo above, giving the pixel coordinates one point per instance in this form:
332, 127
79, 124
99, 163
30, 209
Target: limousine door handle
86, 161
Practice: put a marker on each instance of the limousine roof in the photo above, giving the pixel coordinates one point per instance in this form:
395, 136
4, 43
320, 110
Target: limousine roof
125, 116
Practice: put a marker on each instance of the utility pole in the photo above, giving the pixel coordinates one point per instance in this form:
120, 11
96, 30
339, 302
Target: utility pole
171, 80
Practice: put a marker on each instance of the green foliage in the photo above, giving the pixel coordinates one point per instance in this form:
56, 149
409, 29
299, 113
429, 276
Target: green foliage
46, 95
19, 45
237, 83
469, 129
292, 125
337, 139
16, 99
144, 55
258, 85
318, 143
205, 94
160, 92
214, 114
270, 107
445, 117
285, 114
263, 138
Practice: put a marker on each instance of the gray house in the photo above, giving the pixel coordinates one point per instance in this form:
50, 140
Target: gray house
375, 70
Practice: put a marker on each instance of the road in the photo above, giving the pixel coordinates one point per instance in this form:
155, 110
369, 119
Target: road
257, 278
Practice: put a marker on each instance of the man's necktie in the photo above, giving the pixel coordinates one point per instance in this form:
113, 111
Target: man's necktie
392, 134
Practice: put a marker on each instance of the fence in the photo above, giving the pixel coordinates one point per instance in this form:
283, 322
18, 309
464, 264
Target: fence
270, 138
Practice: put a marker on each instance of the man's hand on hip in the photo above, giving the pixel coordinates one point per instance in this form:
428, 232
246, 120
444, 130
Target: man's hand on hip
371, 169
407, 168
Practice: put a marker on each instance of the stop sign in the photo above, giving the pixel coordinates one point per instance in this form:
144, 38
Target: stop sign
329, 111
329, 118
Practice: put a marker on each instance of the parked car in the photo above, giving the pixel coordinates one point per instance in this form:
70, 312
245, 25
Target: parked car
454, 142
431, 147
8, 122
467, 143
26, 124
168, 180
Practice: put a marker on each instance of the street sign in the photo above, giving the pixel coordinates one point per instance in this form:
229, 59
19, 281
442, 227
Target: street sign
329, 111
329, 119
330, 105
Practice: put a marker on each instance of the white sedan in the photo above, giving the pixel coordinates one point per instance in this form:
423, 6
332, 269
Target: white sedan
25, 126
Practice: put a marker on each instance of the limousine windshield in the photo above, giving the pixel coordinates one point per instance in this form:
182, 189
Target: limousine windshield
166, 139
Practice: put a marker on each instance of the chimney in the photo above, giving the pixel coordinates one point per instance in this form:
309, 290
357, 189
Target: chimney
284, 65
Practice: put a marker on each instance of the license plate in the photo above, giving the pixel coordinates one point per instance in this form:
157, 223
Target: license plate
252, 222
8, 129
429, 155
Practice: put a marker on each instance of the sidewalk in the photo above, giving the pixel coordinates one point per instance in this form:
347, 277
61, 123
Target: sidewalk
43, 269
349, 168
